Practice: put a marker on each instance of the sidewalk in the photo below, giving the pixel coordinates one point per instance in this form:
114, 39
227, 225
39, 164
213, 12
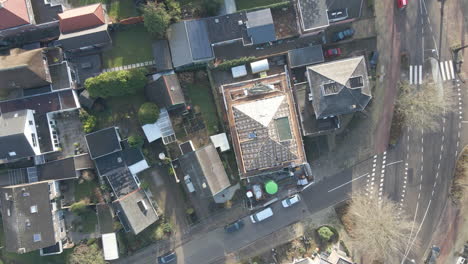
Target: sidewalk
130, 66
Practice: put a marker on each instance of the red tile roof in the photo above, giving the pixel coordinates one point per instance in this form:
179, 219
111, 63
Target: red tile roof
82, 18
13, 13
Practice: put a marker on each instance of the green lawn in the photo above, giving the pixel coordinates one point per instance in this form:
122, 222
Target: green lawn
33, 257
85, 190
248, 4
116, 9
201, 97
129, 46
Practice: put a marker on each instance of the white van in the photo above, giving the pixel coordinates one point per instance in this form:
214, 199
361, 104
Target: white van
189, 183
262, 215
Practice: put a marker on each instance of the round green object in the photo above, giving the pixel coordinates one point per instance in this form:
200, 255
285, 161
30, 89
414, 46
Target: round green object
271, 187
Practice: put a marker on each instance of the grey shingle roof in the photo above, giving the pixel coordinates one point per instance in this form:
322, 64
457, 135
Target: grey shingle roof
84, 38
12, 138
133, 213
260, 26
344, 99
205, 165
313, 14
305, 56
162, 55
20, 224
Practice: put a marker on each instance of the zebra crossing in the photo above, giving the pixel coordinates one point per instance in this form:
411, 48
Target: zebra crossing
415, 74
446, 70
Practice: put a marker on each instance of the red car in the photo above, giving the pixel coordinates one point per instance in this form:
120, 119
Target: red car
332, 52
402, 4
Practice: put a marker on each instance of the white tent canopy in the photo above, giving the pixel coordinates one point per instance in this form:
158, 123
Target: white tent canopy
109, 246
259, 66
239, 71
220, 141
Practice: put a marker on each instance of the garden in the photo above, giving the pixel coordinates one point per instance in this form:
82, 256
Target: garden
130, 44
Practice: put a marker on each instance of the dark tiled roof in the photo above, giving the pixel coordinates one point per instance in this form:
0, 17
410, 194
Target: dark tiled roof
103, 142
85, 38
305, 56
344, 98
22, 224
114, 168
226, 27
162, 55
57, 170
59, 75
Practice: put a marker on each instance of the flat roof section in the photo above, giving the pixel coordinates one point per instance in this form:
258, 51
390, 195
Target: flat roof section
313, 14
305, 56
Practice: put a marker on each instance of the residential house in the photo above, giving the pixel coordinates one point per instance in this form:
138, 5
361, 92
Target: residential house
30, 72
264, 126
164, 89
24, 69
118, 164
205, 167
331, 90
15, 13
339, 87
191, 41
31, 218
260, 27
83, 28
18, 136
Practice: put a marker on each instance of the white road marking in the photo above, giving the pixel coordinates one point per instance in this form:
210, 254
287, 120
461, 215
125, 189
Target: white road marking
441, 67
348, 182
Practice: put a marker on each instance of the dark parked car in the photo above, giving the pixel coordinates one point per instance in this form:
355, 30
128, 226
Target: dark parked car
233, 227
332, 52
374, 59
347, 33
168, 258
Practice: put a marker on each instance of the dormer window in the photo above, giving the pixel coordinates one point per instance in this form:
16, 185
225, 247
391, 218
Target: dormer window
12, 153
356, 82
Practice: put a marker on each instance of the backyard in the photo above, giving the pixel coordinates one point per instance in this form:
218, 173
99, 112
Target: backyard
131, 44
198, 90
116, 9
249, 4
120, 111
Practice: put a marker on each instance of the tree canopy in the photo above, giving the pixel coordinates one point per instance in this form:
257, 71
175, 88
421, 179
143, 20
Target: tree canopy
136, 141
117, 83
424, 106
156, 19
148, 113
377, 229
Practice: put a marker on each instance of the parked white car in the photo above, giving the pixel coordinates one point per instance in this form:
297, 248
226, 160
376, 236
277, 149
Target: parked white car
188, 182
262, 215
291, 200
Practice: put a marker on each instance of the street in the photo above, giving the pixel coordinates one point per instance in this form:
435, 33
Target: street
416, 173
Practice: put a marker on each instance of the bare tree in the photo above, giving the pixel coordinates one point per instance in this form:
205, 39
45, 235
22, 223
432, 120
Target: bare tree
376, 229
423, 107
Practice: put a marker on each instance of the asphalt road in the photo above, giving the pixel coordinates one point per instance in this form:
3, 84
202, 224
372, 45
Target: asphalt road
214, 245
420, 183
